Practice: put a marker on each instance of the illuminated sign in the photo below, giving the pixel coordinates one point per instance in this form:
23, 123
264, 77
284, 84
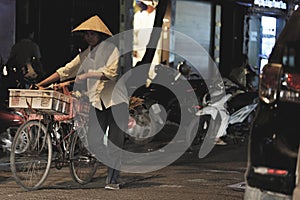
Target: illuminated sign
271, 4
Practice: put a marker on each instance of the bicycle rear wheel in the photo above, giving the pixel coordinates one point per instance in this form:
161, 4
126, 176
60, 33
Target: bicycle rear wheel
31, 154
83, 165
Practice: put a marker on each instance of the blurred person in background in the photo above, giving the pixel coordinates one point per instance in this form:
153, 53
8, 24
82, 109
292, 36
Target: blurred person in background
142, 25
25, 56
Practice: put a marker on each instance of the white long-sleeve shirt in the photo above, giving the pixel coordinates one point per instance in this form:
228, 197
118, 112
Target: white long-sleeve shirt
102, 58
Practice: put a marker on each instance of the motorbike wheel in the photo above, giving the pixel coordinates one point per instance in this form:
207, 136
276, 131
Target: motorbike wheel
7, 138
239, 132
199, 132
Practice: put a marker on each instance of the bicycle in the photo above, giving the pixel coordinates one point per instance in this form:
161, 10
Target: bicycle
47, 137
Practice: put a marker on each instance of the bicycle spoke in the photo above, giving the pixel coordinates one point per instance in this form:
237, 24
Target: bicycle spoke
31, 155
83, 165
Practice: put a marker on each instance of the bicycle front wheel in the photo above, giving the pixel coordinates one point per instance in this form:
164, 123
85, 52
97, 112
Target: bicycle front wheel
83, 165
31, 154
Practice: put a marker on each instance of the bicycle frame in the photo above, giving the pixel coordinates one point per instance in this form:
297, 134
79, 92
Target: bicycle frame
42, 133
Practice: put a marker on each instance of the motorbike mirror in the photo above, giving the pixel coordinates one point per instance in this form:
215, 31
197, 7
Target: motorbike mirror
183, 68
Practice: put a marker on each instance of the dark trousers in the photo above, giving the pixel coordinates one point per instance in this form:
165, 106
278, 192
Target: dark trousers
99, 122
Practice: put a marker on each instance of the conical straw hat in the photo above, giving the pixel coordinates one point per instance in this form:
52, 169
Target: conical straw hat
93, 24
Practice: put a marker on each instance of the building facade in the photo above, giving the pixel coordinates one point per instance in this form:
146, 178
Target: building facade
226, 29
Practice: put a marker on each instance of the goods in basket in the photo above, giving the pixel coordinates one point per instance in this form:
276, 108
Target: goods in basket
47, 101
78, 106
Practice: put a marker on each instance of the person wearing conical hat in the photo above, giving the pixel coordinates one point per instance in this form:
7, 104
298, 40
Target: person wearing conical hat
97, 66
94, 32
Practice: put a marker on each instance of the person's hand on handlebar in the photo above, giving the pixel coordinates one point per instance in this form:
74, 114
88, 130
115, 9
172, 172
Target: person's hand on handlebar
64, 84
36, 87
54, 86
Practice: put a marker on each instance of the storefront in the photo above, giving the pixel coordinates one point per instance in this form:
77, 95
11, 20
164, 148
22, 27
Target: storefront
200, 22
263, 24
224, 28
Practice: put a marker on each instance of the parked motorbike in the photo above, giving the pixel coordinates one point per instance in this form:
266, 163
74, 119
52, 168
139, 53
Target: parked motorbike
145, 119
10, 119
229, 114
156, 106
148, 110
241, 108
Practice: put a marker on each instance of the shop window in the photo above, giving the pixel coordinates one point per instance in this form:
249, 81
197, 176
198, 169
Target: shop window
268, 39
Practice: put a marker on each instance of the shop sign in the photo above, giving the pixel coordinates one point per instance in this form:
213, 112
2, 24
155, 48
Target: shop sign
271, 4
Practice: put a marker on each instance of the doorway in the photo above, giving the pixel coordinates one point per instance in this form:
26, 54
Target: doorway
268, 38
263, 31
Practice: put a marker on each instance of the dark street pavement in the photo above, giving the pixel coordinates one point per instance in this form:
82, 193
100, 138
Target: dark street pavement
215, 177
